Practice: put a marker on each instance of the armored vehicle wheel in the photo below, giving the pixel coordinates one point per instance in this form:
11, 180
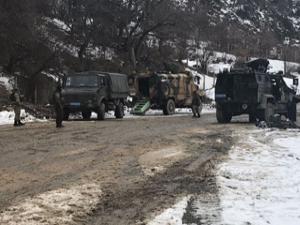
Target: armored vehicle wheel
101, 112
169, 108
66, 115
119, 112
86, 115
269, 112
223, 116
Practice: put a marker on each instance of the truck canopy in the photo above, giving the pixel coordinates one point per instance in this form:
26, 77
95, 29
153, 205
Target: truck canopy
118, 83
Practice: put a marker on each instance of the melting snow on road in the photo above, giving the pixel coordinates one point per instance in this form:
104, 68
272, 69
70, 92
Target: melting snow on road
259, 183
172, 216
62, 206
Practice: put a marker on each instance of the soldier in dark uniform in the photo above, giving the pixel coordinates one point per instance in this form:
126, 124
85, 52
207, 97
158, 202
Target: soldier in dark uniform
16, 99
196, 104
57, 98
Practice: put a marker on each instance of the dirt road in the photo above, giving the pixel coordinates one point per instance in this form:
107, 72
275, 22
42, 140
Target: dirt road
111, 172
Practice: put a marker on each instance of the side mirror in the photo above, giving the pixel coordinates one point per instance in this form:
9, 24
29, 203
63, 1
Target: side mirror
296, 81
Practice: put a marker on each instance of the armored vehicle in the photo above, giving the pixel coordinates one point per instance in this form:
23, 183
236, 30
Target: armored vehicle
95, 91
162, 91
251, 90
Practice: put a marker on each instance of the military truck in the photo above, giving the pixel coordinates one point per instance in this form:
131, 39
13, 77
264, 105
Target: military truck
251, 90
162, 91
95, 91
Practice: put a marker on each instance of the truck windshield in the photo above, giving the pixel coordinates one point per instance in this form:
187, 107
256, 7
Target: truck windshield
82, 81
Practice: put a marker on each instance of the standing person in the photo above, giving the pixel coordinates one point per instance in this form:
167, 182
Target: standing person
57, 98
196, 105
15, 97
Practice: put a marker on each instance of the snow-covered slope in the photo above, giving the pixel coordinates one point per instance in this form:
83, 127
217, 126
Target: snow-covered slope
281, 16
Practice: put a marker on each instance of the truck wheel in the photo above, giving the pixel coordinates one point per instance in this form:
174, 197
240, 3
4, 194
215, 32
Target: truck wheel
66, 115
101, 111
86, 115
119, 112
223, 116
269, 112
169, 107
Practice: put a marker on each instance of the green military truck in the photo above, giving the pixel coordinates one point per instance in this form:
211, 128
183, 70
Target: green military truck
162, 91
95, 91
251, 90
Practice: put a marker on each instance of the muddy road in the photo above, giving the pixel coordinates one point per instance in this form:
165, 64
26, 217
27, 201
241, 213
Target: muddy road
110, 172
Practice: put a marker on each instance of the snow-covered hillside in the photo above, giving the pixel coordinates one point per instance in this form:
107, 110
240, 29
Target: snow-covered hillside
256, 15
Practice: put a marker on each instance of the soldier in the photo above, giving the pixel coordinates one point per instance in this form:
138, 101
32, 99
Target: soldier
16, 99
58, 106
196, 103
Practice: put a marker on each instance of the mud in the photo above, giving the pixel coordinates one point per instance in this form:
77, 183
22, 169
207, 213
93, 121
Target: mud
141, 166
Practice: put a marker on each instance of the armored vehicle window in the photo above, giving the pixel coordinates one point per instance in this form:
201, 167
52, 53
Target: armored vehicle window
82, 81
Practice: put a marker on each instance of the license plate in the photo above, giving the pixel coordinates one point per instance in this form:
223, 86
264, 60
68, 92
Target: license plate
75, 103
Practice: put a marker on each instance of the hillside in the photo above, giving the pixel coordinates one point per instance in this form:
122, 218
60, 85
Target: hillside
55, 37
281, 17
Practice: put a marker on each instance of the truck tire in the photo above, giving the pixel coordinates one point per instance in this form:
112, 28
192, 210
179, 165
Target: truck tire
223, 116
66, 115
101, 111
169, 107
86, 115
119, 111
269, 112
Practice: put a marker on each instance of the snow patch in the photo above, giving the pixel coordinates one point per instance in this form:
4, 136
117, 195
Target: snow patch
172, 216
59, 206
6, 82
7, 117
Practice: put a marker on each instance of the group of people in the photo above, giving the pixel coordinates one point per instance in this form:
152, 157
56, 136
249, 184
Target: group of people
15, 97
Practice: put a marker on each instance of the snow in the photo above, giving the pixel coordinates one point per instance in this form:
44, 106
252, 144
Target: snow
258, 183
207, 109
217, 68
7, 117
50, 75
61, 206
173, 215
278, 65
60, 24
289, 83
6, 82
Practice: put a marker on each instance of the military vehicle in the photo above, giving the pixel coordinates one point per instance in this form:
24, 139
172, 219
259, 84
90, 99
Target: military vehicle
95, 91
161, 91
251, 90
